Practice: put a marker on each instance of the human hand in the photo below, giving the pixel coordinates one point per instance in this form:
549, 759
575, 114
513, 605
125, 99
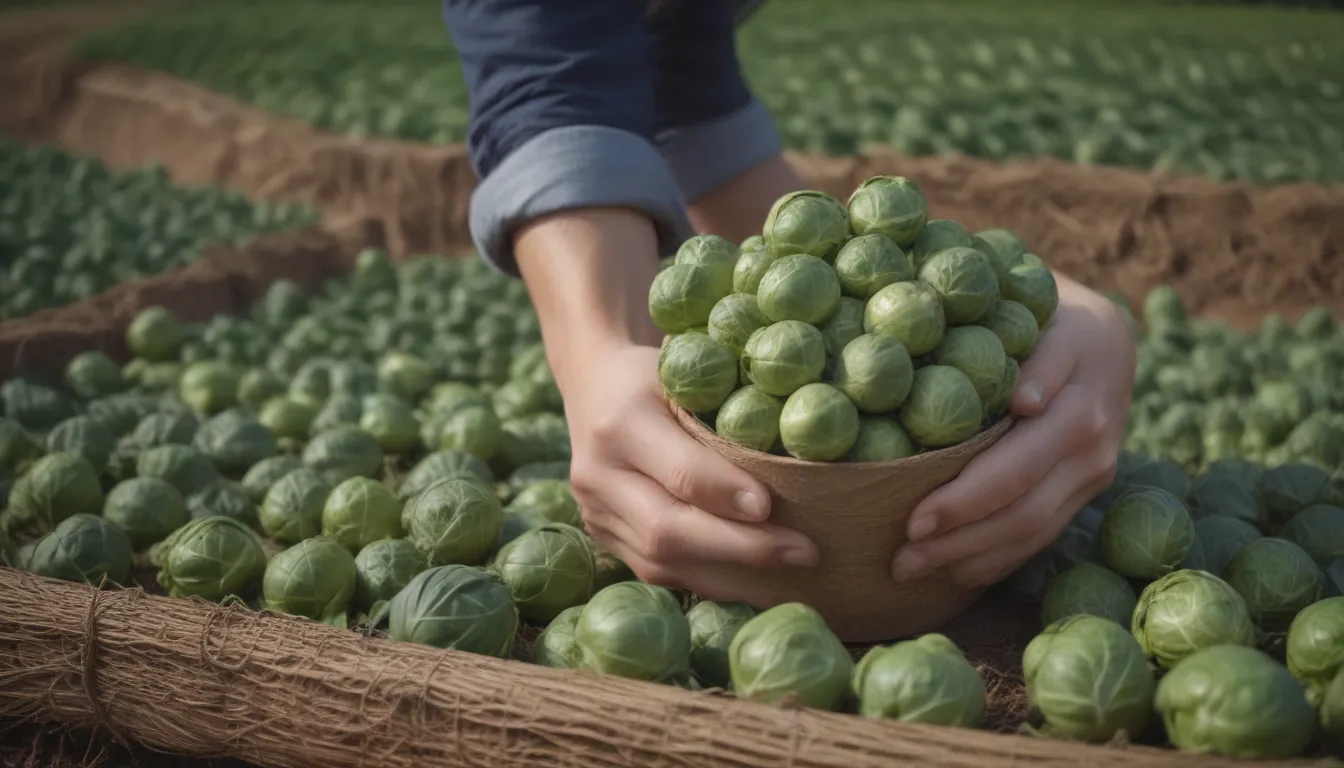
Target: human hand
1015, 498
651, 494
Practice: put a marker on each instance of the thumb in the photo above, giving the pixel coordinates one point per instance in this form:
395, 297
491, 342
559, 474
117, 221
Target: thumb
1044, 374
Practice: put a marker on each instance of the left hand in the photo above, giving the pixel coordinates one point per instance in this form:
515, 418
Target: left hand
1014, 499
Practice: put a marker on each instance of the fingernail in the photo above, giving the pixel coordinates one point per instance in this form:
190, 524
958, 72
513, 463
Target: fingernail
1033, 390
908, 564
799, 557
923, 526
749, 504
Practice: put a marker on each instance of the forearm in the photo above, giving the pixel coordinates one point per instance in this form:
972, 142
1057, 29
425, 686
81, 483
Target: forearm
588, 271
737, 210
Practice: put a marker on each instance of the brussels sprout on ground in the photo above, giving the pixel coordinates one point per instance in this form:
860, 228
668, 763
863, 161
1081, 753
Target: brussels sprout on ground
259, 386
209, 386
785, 356
344, 452
926, 680
1315, 644
442, 465
1088, 588
1159, 473
869, 263
292, 510
875, 372
750, 418
881, 438
937, 235
807, 222
55, 487
799, 287
288, 418
964, 280
211, 558
234, 441
1285, 490
92, 374
392, 423
1221, 538
85, 437
382, 569
818, 423
547, 570
635, 630
1216, 495
1088, 680
1318, 529
697, 373
17, 447
1146, 533
476, 430
556, 646
147, 509
888, 205
909, 312
942, 409
454, 521
155, 335
713, 627
315, 578
267, 473
683, 295
789, 651
1235, 701
1277, 578
224, 498
552, 499
359, 512
85, 548
404, 376
455, 607
1187, 611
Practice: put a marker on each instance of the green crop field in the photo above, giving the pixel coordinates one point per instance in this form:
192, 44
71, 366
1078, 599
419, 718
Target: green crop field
1229, 92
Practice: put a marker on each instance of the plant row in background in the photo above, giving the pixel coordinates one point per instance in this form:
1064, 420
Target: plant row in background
71, 229
1228, 93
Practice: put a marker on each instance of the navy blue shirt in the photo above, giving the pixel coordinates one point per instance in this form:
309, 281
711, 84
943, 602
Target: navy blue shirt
577, 103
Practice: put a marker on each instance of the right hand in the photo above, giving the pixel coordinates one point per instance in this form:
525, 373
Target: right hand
650, 493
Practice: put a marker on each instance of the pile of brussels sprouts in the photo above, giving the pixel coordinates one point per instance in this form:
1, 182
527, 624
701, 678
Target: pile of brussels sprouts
850, 332
1203, 588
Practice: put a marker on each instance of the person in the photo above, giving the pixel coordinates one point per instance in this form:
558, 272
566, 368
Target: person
604, 132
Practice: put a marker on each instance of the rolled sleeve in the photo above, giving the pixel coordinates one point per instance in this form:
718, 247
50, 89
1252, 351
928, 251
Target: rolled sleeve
704, 156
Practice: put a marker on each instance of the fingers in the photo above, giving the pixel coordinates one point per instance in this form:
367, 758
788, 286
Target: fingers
1007, 471
1044, 373
997, 564
658, 447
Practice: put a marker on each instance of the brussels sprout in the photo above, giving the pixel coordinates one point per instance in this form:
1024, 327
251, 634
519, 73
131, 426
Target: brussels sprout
1214, 495
147, 509
540, 438
344, 452
383, 568
698, 373
843, 327
976, 352
888, 205
155, 335
1002, 397
964, 281
1015, 326
1221, 538
818, 423
635, 630
234, 441
1088, 588
785, 356
404, 376
750, 418
1004, 249
556, 646
908, 312
926, 680
706, 249
1164, 474
789, 651
455, 607
1087, 678
224, 498
869, 263
547, 570
683, 295
337, 411
875, 372
1146, 533
1277, 578
292, 510
360, 511
210, 558
1162, 305
937, 235
209, 386
392, 423
82, 436
454, 521
518, 397
881, 438
267, 473
713, 627
92, 374
751, 267
1033, 287
1315, 645
1318, 529
942, 409
17, 447
610, 570
1186, 611
288, 417
1235, 701
55, 487
734, 319
442, 465
83, 547
451, 396
259, 386
799, 287
806, 222
1285, 490
475, 430
552, 499
315, 578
